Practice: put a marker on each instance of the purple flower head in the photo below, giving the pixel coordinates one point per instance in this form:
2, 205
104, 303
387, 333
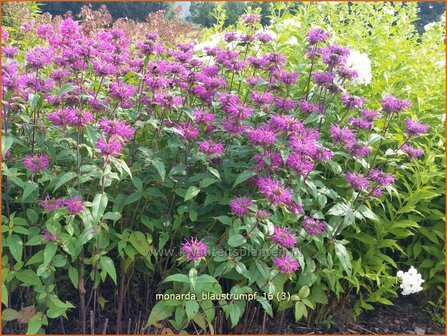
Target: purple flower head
286, 123
211, 148
286, 104
314, 226
233, 126
334, 55
299, 164
240, 206
357, 149
369, 115
112, 147
412, 152
194, 249
341, 134
269, 161
188, 131
415, 128
317, 35
262, 214
36, 163
323, 78
382, 178
230, 36
250, 18
295, 208
204, 117
283, 237
121, 90
286, 264
69, 27
39, 57
45, 31
262, 136
74, 205
10, 52
116, 128
263, 37
347, 73
392, 104
51, 204
48, 236
262, 98
377, 192
288, 78
274, 191
352, 102
4, 35
309, 108
357, 181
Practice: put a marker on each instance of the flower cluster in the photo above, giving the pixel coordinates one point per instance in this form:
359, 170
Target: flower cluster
194, 249
411, 281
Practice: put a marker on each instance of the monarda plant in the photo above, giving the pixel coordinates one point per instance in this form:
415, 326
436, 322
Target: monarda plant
137, 169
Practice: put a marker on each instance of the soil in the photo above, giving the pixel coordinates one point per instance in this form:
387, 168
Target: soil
406, 316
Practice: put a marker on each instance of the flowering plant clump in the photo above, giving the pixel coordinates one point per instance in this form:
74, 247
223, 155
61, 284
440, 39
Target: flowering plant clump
411, 281
214, 169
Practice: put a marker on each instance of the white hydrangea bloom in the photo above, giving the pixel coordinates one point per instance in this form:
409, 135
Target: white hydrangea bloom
388, 10
361, 63
411, 281
429, 26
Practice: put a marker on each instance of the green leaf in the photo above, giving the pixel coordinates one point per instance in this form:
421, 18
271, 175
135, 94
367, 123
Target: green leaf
15, 245
191, 308
304, 292
68, 176
224, 220
236, 240
29, 189
265, 304
28, 278
99, 206
139, 242
191, 193
7, 142
74, 276
160, 312
344, 257
34, 324
160, 166
177, 278
9, 314
108, 266
67, 87
215, 172
49, 252
244, 176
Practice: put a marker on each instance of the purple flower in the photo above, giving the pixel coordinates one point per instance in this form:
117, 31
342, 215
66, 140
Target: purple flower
347, 73
299, 164
309, 108
263, 136
269, 161
317, 35
286, 104
263, 37
392, 104
36, 163
39, 57
334, 55
116, 128
250, 18
211, 148
240, 206
286, 264
188, 131
48, 236
233, 126
262, 214
112, 147
415, 128
323, 78
274, 191
412, 152
382, 178
286, 123
230, 36
283, 237
194, 249
352, 102
10, 52
74, 205
204, 117
288, 78
314, 226
341, 134
51, 204
357, 149
262, 98
357, 181
4, 35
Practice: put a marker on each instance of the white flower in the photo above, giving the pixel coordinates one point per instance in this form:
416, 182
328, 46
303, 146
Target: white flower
217, 38
411, 281
429, 26
292, 40
361, 63
388, 10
